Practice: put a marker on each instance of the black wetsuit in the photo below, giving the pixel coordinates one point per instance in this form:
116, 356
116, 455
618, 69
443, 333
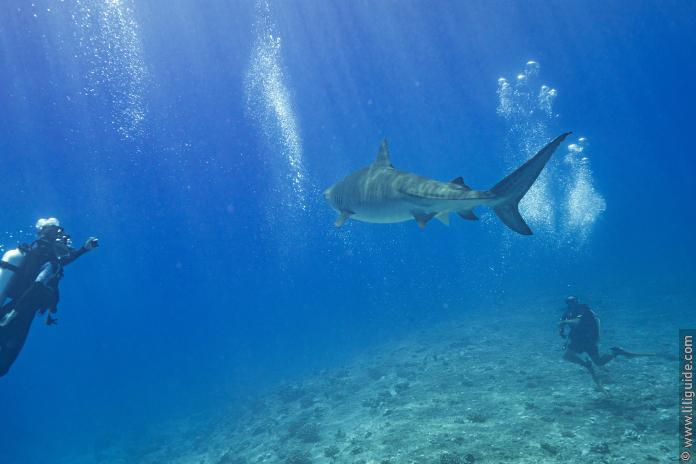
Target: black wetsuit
34, 289
584, 336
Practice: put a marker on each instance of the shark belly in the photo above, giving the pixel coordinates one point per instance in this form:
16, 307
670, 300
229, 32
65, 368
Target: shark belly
382, 210
399, 208
385, 217
371, 196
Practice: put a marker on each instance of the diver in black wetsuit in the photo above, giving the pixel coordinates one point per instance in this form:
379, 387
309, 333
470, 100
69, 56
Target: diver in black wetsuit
584, 336
35, 286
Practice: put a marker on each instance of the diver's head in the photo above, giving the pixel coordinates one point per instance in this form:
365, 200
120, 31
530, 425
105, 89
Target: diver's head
48, 228
51, 230
572, 301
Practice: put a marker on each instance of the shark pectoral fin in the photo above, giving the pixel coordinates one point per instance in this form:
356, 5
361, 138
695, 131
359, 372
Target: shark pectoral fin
467, 214
422, 218
443, 218
343, 217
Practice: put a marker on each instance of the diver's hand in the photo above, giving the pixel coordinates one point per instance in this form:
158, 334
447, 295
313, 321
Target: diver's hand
91, 243
51, 320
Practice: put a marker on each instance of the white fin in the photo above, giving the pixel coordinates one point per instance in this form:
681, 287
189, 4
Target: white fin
443, 218
343, 217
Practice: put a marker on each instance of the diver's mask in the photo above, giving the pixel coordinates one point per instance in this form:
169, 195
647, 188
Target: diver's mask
59, 239
65, 239
63, 243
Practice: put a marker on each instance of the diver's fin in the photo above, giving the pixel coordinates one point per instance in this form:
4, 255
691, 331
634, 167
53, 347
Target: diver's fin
460, 182
383, 159
467, 214
617, 350
422, 218
511, 189
343, 217
443, 218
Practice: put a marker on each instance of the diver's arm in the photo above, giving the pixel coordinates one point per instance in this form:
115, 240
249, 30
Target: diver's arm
570, 322
569, 318
89, 245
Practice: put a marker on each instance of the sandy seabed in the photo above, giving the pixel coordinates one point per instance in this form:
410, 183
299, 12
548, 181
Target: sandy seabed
489, 387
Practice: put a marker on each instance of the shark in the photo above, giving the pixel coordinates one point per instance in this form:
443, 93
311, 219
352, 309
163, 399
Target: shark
381, 194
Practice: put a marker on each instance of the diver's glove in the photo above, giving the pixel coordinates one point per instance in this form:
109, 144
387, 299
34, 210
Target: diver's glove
91, 243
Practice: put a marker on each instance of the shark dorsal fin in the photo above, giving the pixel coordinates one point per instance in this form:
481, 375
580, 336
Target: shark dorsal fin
383, 160
460, 182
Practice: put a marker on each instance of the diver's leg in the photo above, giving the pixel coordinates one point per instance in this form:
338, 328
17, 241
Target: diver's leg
593, 353
4, 310
12, 339
573, 357
7, 313
13, 334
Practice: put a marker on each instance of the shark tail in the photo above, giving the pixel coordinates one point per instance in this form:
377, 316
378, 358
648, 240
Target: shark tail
511, 189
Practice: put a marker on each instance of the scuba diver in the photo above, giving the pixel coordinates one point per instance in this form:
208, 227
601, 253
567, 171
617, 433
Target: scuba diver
584, 336
29, 277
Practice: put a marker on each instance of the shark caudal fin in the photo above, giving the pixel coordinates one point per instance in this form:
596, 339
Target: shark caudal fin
513, 187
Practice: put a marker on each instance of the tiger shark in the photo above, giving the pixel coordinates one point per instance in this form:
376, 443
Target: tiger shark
379, 193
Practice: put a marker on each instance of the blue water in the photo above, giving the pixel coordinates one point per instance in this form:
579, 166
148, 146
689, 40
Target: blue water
195, 139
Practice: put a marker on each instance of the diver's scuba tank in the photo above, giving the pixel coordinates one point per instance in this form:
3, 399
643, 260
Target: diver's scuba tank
12, 261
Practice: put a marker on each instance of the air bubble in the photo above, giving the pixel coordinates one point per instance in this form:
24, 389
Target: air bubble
269, 101
574, 148
564, 203
114, 52
531, 69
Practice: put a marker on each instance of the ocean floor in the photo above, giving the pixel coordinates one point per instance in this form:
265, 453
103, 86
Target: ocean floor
489, 387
